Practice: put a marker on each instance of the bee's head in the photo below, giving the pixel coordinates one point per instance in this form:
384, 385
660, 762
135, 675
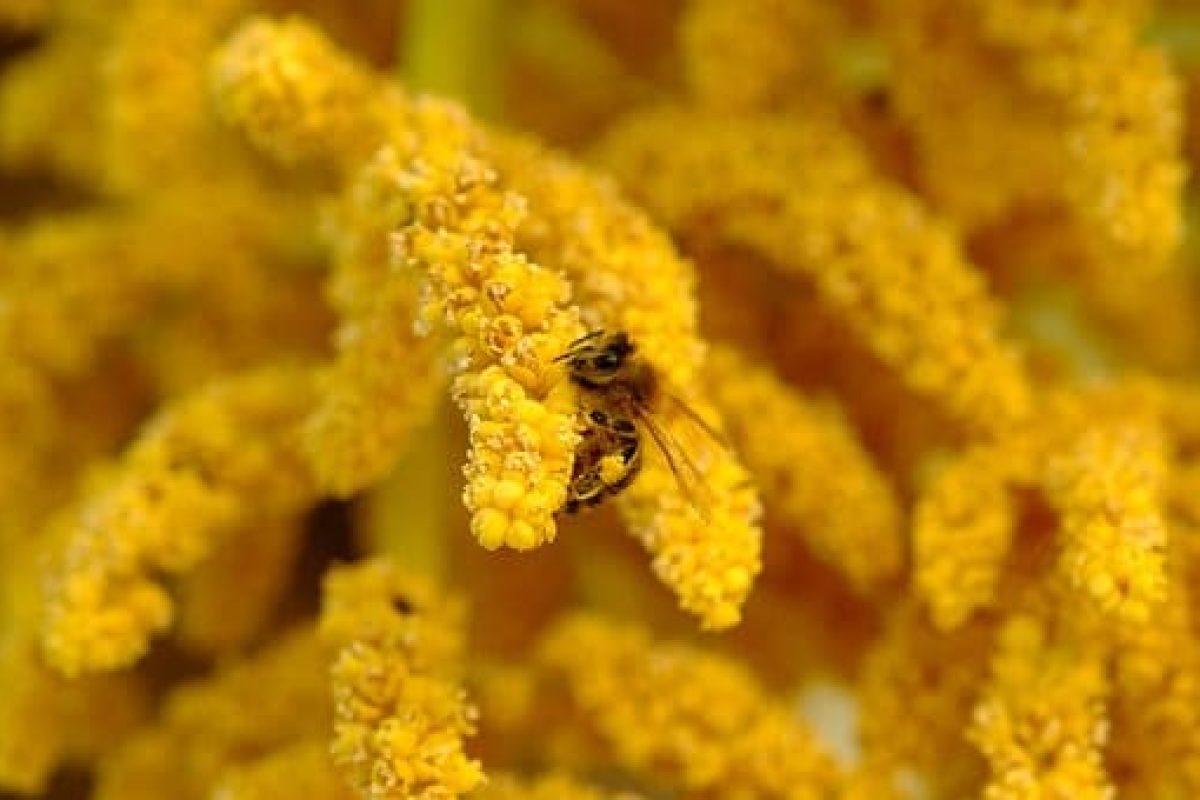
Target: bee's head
598, 362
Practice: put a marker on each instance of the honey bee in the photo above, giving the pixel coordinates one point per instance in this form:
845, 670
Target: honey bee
620, 392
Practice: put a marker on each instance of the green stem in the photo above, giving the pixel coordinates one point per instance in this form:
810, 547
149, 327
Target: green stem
408, 515
454, 48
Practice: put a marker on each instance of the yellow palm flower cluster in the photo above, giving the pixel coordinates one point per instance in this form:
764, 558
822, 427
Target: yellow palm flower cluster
578, 400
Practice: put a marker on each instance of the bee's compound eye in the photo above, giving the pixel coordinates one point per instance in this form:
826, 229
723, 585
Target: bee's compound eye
598, 417
606, 362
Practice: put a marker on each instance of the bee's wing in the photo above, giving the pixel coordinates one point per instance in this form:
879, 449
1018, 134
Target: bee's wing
692, 414
687, 474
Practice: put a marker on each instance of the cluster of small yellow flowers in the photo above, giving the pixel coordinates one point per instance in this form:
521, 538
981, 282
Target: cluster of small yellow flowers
242, 259
1156, 695
509, 319
629, 277
198, 470
705, 537
246, 710
400, 717
799, 193
759, 36
45, 719
1107, 485
812, 471
692, 722
386, 376
295, 97
303, 769
1100, 461
90, 273
110, 277
963, 527
1042, 723
155, 114
626, 273
1032, 105
915, 694
1121, 108
508, 316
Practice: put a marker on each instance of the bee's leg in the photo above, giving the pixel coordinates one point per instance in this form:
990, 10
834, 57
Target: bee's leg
587, 488
630, 449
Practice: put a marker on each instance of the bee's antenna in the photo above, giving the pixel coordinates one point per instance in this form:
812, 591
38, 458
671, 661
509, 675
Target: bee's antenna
575, 346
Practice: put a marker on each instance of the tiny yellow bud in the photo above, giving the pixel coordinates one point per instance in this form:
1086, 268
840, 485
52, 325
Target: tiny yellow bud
737, 579
489, 527
507, 493
522, 536
1101, 585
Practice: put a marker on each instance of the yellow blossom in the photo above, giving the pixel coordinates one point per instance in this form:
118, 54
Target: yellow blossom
916, 693
798, 192
1155, 731
936, 243
963, 527
1107, 484
628, 276
386, 376
811, 469
1041, 723
1057, 104
45, 720
509, 318
676, 715
760, 37
295, 97
156, 116
399, 716
507, 315
187, 480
